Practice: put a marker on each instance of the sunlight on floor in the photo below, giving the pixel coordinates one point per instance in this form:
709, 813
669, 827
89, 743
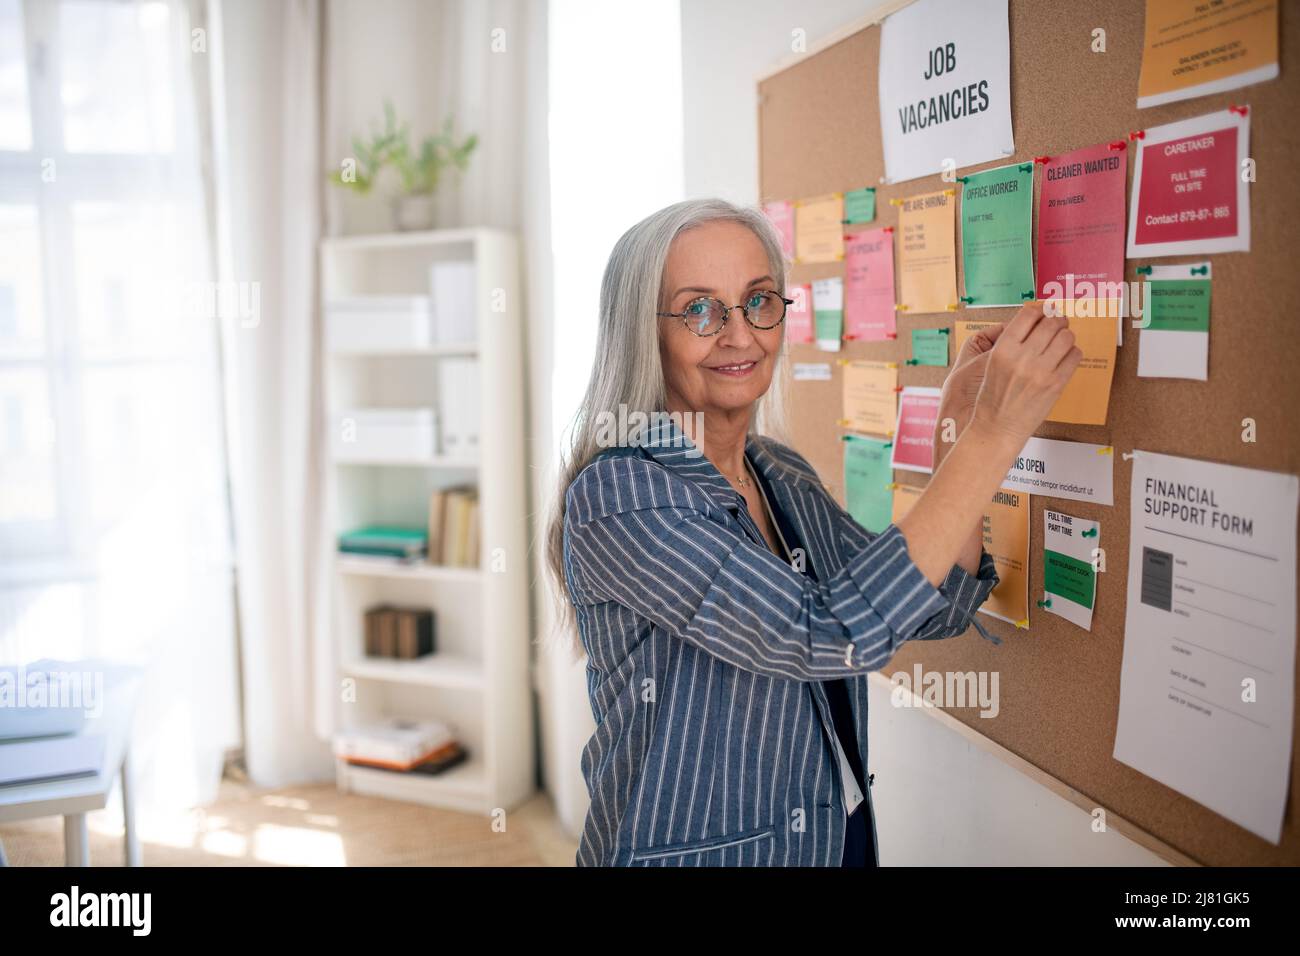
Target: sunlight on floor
306, 826
297, 846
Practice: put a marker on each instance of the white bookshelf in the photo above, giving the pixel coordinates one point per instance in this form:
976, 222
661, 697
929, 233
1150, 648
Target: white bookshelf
477, 679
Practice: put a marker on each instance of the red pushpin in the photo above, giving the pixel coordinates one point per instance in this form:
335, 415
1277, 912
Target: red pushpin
1138, 134
1239, 110
1043, 159
1119, 144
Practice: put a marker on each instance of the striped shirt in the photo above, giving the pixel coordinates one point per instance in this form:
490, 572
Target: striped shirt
714, 741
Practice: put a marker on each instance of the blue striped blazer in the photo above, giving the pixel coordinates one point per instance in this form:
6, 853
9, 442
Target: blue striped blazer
706, 653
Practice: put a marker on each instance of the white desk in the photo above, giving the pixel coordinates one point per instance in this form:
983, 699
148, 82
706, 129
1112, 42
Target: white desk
73, 797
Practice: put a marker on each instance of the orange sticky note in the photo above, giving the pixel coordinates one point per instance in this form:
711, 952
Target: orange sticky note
904, 497
871, 397
818, 230
1006, 539
1193, 48
927, 259
1086, 398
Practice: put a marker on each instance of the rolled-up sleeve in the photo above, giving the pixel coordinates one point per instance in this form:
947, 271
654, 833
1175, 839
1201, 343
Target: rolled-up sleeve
637, 537
965, 593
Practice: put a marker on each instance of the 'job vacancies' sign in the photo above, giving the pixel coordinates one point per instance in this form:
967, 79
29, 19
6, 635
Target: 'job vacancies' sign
945, 86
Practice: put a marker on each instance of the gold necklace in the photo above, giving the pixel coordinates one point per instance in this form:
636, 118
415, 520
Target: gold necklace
741, 479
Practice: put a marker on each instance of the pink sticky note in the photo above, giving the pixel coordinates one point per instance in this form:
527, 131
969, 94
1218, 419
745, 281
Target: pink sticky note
1081, 223
869, 286
799, 316
918, 410
781, 213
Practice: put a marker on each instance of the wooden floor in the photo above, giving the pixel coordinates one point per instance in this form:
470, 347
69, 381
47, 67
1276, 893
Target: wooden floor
307, 826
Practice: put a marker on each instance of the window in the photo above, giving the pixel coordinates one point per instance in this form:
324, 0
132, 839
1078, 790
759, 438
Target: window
114, 525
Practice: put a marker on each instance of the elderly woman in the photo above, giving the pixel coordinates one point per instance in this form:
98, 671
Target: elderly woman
730, 609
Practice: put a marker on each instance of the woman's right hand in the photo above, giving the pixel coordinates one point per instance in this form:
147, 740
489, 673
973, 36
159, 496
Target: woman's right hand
1028, 368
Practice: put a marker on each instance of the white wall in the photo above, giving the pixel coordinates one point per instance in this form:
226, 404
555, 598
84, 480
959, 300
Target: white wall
938, 798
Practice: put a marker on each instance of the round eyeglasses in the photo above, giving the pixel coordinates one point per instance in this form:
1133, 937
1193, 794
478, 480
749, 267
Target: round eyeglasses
708, 316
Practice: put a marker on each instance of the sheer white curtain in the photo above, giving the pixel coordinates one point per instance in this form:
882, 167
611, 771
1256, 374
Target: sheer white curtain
269, 177
483, 53
114, 526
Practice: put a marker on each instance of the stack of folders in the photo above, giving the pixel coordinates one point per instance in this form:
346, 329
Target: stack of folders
401, 632
454, 527
404, 746
404, 544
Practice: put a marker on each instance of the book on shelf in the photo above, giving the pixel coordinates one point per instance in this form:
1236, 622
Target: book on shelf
380, 541
453, 538
443, 759
404, 633
399, 744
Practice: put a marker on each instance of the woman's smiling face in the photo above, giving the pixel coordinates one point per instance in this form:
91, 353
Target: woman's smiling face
729, 371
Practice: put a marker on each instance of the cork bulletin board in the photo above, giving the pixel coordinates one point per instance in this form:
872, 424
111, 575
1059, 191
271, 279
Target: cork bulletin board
819, 132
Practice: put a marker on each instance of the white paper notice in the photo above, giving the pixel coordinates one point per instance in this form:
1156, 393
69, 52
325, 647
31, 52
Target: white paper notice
812, 372
1207, 684
1070, 548
1175, 337
945, 86
1064, 469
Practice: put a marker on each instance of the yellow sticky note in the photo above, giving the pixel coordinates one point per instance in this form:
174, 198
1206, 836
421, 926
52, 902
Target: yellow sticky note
965, 329
818, 230
1086, 398
927, 260
904, 497
871, 397
1006, 539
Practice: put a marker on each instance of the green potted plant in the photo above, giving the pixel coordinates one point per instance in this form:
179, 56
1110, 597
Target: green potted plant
419, 170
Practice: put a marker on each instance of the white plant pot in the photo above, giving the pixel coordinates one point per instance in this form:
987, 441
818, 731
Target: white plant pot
413, 213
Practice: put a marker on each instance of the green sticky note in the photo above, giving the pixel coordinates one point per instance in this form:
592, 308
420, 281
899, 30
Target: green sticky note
830, 324
867, 477
860, 205
1069, 577
930, 347
997, 210
1179, 305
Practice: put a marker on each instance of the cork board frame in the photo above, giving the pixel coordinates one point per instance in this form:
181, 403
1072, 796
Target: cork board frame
819, 132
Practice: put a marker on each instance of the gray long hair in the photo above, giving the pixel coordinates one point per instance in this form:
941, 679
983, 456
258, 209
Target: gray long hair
627, 370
